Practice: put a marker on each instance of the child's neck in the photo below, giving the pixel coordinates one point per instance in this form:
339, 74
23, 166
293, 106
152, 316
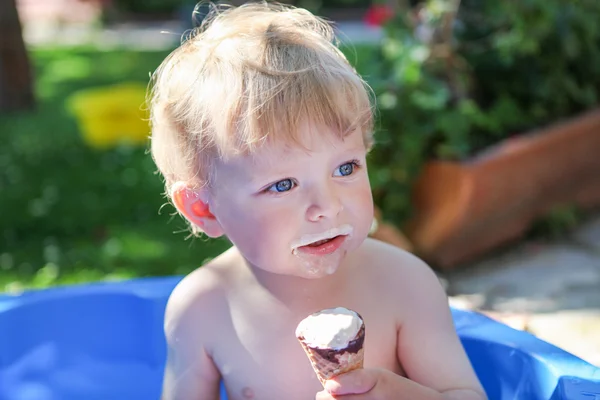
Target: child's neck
293, 290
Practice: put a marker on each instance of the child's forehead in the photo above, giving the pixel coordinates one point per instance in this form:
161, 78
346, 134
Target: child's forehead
278, 151
310, 138
268, 156
306, 143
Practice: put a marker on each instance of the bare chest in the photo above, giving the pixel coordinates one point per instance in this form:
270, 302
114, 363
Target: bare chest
259, 357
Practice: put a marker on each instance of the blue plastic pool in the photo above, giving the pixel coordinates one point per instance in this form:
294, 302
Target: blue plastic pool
105, 342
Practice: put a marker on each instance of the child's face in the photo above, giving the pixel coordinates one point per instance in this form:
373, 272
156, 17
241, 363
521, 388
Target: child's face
275, 202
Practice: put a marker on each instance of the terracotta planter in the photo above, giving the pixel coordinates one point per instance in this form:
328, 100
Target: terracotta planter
465, 209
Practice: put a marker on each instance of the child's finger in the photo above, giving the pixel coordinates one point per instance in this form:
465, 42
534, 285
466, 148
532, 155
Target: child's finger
353, 382
324, 395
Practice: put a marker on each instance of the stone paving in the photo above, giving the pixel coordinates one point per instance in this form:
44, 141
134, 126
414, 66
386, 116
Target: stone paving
549, 289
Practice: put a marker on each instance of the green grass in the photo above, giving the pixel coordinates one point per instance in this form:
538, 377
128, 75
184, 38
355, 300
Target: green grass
73, 214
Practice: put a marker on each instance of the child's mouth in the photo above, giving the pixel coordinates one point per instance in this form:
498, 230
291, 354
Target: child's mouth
322, 247
320, 242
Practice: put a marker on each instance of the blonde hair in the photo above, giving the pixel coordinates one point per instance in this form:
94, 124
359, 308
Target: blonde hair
248, 75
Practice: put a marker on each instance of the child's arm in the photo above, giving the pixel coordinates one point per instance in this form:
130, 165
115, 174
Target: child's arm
190, 373
429, 349
187, 379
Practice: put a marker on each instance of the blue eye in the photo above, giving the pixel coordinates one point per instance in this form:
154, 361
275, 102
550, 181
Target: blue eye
281, 186
346, 169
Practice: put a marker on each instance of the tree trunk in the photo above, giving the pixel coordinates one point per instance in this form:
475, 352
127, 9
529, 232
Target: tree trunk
16, 86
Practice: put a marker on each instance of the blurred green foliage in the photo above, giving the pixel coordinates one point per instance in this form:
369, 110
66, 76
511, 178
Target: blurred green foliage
72, 213
454, 77
558, 220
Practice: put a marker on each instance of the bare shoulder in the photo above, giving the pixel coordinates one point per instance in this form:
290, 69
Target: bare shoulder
421, 306
197, 296
386, 260
405, 277
200, 297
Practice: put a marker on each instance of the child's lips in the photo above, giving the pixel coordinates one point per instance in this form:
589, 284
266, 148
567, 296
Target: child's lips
328, 247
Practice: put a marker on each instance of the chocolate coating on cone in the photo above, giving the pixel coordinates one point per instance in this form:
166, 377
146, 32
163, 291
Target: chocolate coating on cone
354, 346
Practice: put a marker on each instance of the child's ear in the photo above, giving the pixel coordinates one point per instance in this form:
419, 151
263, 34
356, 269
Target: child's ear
193, 204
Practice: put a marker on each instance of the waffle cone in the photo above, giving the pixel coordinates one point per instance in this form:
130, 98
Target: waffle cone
329, 363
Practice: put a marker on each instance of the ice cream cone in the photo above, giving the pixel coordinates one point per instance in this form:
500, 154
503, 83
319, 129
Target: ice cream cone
329, 362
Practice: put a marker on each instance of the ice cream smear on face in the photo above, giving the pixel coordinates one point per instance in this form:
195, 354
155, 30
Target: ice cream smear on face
332, 328
321, 238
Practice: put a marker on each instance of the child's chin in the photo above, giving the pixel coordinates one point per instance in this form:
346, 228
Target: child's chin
313, 275
317, 267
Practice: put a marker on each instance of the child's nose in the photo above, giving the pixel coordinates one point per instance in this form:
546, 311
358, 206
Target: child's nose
326, 203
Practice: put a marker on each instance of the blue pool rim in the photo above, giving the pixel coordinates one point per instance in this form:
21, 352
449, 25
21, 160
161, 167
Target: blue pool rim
537, 370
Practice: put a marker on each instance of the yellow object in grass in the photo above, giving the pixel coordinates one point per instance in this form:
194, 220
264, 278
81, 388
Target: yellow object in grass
111, 115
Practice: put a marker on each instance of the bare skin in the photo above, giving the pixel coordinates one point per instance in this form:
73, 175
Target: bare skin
246, 333
235, 318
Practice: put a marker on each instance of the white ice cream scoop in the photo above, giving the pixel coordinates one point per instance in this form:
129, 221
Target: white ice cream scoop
332, 328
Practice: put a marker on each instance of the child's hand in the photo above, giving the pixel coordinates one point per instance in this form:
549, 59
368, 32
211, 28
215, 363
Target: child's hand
374, 384
360, 384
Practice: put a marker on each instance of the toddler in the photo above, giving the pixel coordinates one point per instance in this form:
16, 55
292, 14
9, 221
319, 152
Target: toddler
261, 128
